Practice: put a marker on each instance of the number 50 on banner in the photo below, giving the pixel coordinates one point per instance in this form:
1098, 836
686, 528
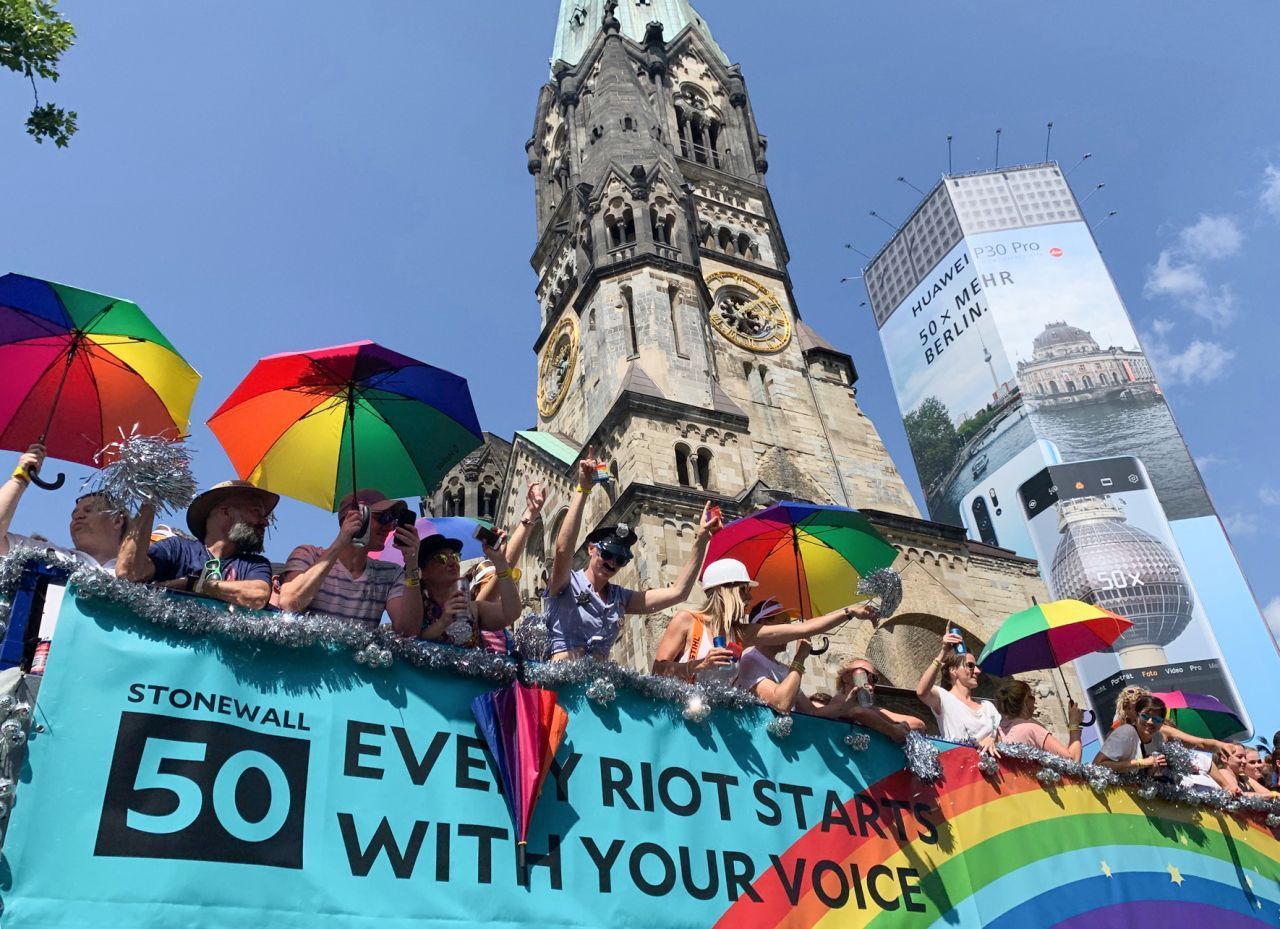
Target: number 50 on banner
209, 791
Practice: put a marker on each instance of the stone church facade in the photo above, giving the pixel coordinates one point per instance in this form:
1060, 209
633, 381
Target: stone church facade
671, 342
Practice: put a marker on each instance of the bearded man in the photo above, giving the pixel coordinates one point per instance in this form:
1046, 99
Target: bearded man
223, 561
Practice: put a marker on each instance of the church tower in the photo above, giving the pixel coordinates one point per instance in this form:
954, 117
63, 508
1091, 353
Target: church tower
670, 339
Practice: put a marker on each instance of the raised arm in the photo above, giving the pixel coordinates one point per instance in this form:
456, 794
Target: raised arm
132, 561
12, 489
567, 540
924, 689
534, 499
406, 611
656, 600
299, 587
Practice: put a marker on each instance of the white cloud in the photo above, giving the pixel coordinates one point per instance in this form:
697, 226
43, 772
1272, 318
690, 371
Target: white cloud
1179, 272
1272, 612
1269, 495
1241, 524
1205, 462
1199, 363
1211, 238
1161, 326
1270, 197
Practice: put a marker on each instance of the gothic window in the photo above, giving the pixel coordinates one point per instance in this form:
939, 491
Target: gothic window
628, 124
613, 470
1088, 381
704, 468
744, 244
673, 303
578, 18
487, 500
682, 465
726, 240
1053, 387
628, 225
629, 307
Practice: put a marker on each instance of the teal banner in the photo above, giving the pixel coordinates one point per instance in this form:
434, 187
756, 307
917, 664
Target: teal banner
175, 780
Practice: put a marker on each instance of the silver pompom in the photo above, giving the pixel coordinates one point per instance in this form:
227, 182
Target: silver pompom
7, 703
1048, 776
1178, 759
1273, 821
1098, 785
13, 732
531, 637
458, 632
696, 709
145, 469
1147, 792
858, 741
779, 727
601, 691
988, 765
922, 757
6, 790
885, 585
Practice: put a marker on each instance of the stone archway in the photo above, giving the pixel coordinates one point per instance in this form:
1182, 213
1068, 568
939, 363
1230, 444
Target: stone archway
903, 646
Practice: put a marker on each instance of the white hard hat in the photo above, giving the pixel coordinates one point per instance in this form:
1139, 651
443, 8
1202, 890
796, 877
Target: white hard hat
725, 571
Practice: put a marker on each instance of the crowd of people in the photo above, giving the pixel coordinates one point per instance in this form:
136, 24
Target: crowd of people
732, 638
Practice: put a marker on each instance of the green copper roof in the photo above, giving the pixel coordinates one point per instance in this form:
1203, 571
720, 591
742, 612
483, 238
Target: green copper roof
551, 445
580, 20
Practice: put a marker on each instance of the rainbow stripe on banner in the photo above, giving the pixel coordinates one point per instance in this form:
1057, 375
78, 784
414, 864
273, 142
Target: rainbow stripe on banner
1016, 854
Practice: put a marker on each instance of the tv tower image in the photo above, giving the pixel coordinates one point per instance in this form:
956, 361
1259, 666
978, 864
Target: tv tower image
1103, 560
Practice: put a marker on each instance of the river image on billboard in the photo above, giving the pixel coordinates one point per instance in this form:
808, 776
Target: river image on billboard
1036, 422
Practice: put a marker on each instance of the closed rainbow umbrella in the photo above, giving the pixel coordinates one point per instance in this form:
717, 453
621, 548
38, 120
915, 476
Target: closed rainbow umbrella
810, 558
80, 368
318, 424
1048, 635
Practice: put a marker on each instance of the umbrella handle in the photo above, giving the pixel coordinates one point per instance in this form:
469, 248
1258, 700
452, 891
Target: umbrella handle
1087, 717
821, 649
34, 475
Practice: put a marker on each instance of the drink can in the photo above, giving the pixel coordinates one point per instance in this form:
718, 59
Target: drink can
718, 641
602, 473
960, 649
41, 657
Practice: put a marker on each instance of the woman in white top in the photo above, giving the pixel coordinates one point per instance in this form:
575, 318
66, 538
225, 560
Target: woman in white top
961, 717
688, 648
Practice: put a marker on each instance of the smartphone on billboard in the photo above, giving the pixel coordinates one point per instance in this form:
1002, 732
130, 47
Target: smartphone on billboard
990, 512
1102, 537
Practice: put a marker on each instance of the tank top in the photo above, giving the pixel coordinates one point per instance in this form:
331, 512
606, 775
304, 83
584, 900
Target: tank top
699, 644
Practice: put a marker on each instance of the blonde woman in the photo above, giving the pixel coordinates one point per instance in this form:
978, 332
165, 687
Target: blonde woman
688, 648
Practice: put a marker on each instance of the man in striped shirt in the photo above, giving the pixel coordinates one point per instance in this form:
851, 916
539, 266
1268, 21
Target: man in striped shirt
342, 580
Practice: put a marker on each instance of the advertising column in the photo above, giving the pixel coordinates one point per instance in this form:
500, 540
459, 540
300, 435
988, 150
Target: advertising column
1036, 422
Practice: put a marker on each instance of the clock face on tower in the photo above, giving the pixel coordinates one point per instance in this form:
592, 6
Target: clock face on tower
747, 313
555, 371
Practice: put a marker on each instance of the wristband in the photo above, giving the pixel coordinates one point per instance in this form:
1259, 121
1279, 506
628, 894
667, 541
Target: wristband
412, 582
526, 521
503, 574
937, 662
582, 490
20, 475
798, 665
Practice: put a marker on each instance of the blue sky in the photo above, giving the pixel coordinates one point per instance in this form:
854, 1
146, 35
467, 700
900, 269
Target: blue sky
265, 177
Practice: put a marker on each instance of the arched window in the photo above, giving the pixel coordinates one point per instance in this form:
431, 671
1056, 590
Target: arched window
628, 225
704, 468
726, 240
682, 465
744, 244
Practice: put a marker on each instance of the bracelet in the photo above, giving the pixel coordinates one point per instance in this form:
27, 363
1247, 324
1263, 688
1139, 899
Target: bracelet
526, 521
937, 662
21, 476
503, 574
412, 582
798, 666
1073, 729
582, 490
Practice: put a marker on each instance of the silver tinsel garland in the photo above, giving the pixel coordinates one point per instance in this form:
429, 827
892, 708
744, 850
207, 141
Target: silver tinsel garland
145, 469
601, 691
885, 585
858, 741
458, 632
779, 727
531, 637
696, 708
922, 757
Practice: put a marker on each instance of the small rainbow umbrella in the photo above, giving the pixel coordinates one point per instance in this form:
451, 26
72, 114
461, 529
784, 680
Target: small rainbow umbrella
1048, 635
523, 726
1201, 714
80, 369
810, 558
304, 423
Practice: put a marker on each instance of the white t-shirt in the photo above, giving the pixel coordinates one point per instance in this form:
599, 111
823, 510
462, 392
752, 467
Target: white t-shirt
1124, 744
755, 667
958, 723
54, 592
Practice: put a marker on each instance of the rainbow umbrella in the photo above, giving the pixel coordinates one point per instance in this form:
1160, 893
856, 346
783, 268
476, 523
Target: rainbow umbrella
1048, 635
81, 368
304, 423
523, 726
1201, 714
810, 558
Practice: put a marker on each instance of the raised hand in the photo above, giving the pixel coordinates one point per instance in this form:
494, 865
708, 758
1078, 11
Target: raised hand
587, 468
711, 522
534, 499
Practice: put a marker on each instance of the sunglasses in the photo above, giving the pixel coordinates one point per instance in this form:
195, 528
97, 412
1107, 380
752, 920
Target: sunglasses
213, 569
386, 517
971, 665
614, 559
447, 557
1156, 721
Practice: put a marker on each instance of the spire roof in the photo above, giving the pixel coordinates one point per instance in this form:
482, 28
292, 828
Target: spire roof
580, 20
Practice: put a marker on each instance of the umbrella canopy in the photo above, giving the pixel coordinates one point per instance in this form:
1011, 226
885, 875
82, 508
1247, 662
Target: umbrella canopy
1049, 635
462, 528
1201, 714
523, 727
316, 425
810, 558
80, 368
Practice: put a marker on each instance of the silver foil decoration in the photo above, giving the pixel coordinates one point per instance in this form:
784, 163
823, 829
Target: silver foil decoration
145, 469
458, 632
531, 637
779, 727
602, 691
884, 586
858, 741
922, 757
696, 709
